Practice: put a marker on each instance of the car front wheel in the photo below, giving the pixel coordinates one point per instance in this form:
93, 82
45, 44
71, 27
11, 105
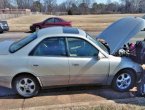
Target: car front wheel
26, 86
124, 81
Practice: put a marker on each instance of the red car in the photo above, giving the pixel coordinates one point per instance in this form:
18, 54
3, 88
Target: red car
54, 21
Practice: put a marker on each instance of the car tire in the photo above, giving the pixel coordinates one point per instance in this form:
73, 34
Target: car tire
124, 81
1, 30
26, 86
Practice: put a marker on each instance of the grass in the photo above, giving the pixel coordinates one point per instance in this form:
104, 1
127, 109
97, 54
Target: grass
110, 107
106, 105
91, 23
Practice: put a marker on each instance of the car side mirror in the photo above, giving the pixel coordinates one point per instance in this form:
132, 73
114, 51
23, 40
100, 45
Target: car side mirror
100, 56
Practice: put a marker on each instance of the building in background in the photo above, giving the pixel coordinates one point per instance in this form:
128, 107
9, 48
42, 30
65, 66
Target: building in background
15, 11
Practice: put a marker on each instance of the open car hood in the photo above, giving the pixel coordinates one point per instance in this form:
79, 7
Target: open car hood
121, 31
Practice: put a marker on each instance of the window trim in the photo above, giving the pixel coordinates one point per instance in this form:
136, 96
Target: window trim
66, 48
80, 56
30, 53
60, 20
22, 46
49, 22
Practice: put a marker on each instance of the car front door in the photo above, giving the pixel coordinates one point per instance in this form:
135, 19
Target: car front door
85, 65
49, 62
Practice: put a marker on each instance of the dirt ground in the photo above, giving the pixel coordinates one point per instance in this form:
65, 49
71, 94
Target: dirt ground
76, 98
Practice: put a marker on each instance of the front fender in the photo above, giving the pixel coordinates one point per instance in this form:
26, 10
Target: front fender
120, 63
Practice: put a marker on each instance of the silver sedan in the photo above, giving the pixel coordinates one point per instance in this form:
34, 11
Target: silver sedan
60, 56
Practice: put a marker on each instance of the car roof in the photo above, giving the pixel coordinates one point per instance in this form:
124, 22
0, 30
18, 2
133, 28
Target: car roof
61, 31
55, 18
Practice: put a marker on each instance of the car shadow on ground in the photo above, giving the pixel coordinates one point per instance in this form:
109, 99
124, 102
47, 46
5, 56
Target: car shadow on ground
78, 94
104, 91
28, 32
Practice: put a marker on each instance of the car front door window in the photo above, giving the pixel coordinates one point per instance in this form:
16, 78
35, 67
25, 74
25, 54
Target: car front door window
81, 48
85, 68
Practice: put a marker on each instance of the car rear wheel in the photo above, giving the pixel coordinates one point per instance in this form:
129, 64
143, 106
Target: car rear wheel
124, 81
1, 30
26, 86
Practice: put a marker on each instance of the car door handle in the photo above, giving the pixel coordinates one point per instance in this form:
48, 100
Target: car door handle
75, 64
35, 65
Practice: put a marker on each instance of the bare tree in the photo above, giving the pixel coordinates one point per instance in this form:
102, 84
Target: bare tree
142, 6
24, 4
62, 7
84, 8
37, 6
49, 5
4, 4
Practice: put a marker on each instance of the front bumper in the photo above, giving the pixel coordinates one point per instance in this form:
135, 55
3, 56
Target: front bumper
5, 28
32, 28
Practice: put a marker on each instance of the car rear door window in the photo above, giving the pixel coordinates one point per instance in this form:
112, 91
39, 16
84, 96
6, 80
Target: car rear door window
81, 48
51, 20
21, 43
50, 47
56, 20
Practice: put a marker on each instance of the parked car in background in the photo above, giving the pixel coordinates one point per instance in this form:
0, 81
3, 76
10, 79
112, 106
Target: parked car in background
54, 21
3, 26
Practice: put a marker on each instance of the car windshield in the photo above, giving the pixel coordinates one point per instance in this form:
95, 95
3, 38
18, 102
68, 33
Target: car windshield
98, 44
21, 43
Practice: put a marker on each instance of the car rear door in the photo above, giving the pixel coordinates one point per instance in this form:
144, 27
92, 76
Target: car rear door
85, 66
58, 22
49, 62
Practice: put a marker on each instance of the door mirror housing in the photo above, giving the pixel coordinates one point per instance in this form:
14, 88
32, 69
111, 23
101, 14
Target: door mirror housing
100, 56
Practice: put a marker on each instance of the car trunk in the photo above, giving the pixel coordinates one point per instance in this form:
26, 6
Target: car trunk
4, 47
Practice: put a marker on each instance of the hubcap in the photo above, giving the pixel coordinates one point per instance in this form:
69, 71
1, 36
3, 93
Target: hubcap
37, 28
26, 86
123, 81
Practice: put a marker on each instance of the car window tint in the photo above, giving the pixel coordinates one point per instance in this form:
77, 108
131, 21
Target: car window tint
51, 20
21, 43
51, 47
81, 48
57, 20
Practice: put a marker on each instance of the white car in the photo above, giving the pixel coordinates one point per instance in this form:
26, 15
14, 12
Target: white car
60, 56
